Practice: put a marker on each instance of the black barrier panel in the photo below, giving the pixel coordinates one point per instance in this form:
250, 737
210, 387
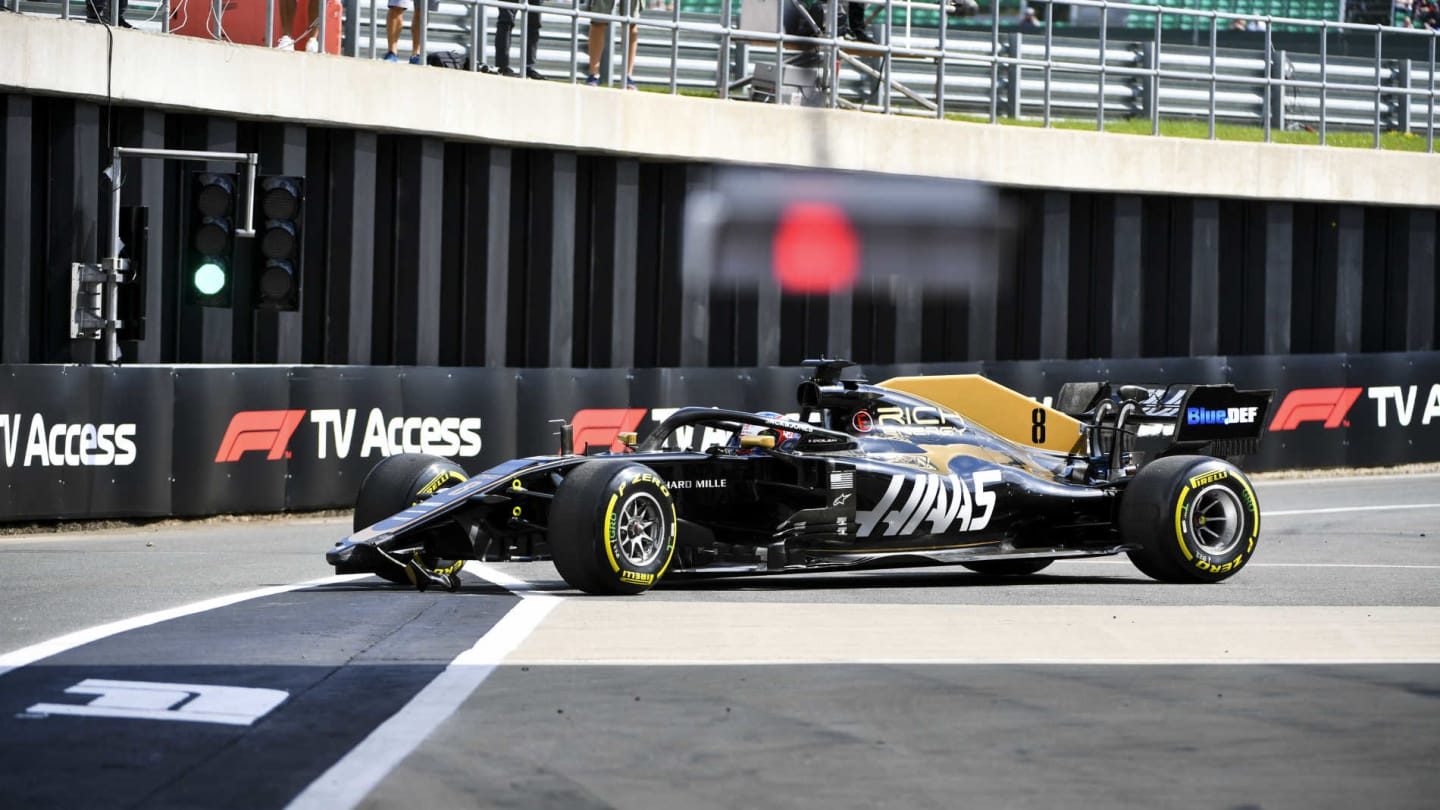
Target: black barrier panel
773, 389
144, 398
665, 389
100, 442
879, 373
1297, 381
72, 437
342, 433
465, 414
38, 400
1168, 371
660, 391
1041, 380
1397, 413
1348, 410
550, 394
233, 428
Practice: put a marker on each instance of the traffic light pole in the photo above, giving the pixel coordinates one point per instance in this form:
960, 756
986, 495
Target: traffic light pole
114, 267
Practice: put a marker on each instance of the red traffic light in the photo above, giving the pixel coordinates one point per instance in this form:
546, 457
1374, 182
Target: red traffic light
815, 249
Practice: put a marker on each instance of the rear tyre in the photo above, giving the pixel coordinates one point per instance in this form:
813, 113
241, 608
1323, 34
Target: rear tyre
1008, 568
399, 482
1194, 518
612, 528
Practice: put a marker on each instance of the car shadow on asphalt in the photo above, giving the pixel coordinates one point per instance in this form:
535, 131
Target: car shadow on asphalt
770, 583
469, 585
888, 580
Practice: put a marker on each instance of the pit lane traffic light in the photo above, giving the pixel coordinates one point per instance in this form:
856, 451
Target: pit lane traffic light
277, 270
210, 248
819, 232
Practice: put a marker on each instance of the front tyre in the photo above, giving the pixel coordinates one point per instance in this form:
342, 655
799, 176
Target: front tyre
399, 482
612, 528
1194, 518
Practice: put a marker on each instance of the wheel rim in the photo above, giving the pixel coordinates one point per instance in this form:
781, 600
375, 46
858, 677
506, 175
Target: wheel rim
1215, 520
640, 532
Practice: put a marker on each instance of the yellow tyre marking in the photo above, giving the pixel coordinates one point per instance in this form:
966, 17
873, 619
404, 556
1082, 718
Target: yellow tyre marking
674, 528
1255, 509
609, 516
1209, 478
1179, 528
429, 490
1254, 513
434, 485
452, 569
627, 575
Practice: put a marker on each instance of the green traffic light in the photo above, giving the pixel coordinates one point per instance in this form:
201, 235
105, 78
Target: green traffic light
209, 278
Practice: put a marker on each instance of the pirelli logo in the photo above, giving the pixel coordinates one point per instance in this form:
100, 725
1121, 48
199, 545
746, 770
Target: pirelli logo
1208, 478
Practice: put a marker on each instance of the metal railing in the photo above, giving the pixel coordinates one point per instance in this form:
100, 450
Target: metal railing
994, 73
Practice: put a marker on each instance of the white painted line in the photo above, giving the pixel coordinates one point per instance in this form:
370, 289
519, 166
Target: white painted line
1069, 662
1344, 565
1270, 565
69, 641
1334, 509
348, 781
1348, 479
636, 632
497, 577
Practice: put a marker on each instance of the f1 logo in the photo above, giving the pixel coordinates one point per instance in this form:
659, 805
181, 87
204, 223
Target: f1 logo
1328, 405
185, 702
258, 430
602, 427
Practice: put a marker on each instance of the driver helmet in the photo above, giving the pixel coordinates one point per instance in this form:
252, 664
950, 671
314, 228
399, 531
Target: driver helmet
781, 436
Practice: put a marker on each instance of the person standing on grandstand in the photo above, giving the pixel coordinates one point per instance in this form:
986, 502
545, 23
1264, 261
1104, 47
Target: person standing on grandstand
287, 25
854, 26
394, 20
503, 27
600, 30
1400, 13
1427, 14
98, 11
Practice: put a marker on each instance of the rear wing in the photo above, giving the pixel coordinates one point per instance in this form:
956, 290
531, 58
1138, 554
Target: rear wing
1217, 420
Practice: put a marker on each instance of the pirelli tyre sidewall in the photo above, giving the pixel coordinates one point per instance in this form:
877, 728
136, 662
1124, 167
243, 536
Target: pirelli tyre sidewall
402, 481
612, 528
1194, 518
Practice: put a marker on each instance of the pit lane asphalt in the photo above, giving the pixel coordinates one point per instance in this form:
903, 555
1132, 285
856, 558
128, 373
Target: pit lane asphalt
757, 691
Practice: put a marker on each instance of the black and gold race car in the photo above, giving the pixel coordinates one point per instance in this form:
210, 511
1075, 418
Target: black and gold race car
910, 471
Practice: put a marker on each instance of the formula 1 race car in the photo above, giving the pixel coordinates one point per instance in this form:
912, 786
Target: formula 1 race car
911, 471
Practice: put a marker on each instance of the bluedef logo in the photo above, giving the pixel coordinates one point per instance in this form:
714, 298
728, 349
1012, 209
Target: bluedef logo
935, 505
1221, 416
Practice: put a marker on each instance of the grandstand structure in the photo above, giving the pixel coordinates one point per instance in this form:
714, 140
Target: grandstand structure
1298, 67
454, 219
